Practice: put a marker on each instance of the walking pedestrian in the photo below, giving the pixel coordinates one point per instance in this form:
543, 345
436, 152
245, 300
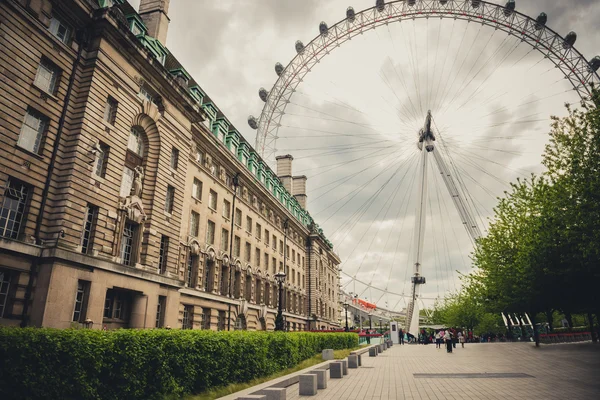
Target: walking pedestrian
461, 339
401, 335
438, 340
448, 339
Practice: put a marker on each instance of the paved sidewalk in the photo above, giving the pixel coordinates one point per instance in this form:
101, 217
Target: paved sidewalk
521, 371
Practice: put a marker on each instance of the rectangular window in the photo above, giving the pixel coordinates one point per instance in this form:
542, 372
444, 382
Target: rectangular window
221, 323
266, 262
281, 266
248, 252
194, 223
32, 131
117, 305
298, 278
170, 199
60, 29
210, 233
206, 318
249, 225
91, 214
237, 243
293, 255
144, 94
110, 110
274, 265
4, 291
257, 257
226, 209
258, 231
13, 208
267, 237
162, 254
287, 252
127, 243
81, 301
212, 200
188, 317
281, 246
197, 189
160, 311
224, 239
101, 160
238, 217
46, 76
174, 158
126, 182
274, 242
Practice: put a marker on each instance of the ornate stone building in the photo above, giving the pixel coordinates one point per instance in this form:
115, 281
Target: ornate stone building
127, 198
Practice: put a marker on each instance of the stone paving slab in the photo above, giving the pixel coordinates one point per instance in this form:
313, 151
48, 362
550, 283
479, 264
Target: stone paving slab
567, 371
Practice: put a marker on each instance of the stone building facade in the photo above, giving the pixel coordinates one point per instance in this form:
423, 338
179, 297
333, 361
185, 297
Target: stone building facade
127, 198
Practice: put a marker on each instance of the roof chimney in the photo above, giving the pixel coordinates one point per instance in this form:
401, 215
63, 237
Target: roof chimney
154, 15
299, 183
284, 171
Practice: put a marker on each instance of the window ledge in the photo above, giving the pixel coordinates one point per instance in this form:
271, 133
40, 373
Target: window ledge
44, 94
107, 125
213, 210
29, 152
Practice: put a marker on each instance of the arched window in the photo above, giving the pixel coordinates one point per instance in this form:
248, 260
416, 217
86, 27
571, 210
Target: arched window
136, 141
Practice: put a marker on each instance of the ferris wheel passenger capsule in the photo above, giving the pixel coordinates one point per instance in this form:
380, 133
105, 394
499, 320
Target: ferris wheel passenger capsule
541, 21
323, 28
510, 7
299, 47
278, 69
380, 4
252, 122
475, 3
443, 2
411, 2
595, 64
263, 94
350, 14
570, 40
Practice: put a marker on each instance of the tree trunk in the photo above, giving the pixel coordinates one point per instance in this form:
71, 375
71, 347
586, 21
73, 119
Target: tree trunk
550, 320
569, 319
593, 330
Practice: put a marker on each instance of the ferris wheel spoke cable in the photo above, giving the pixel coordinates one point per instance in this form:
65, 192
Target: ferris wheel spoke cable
332, 133
386, 80
437, 48
326, 169
412, 65
441, 74
342, 151
378, 263
519, 171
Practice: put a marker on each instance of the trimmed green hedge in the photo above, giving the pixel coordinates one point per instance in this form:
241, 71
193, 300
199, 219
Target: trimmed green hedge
146, 364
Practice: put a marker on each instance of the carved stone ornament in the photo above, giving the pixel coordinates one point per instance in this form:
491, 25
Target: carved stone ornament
134, 209
271, 215
262, 313
210, 255
263, 209
245, 193
243, 307
136, 188
194, 248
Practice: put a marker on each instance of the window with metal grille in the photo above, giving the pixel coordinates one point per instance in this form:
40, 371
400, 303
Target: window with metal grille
174, 158
197, 189
80, 301
136, 141
206, 318
194, 224
281, 246
127, 243
13, 208
4, 288
188, 317
47, 76
212, 200
247, 252
249, 225
160, 311
170, 199
236, 246
267, 237
91, 214
162, 254
190, 275
110, 110
101, 160
258, 231
238, 217
226, 209
224, 239
257, 257
60, 29
221, 323
210, 233
117, 304
32, 131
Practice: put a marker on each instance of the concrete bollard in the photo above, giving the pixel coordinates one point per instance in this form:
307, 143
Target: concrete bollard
253, 397
373, 352
380, 348
384, 346
308, 385
273, 393
327, 354
321, 378
360, 360
352, 361
344, 366
336, 370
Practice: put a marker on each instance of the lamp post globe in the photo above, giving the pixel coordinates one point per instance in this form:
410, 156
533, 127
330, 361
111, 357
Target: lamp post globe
346, 308
279, 322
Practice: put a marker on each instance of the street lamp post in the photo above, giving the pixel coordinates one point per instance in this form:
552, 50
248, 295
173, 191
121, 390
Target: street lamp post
236, 183
279, 322
380, 329
370, 322
346, 308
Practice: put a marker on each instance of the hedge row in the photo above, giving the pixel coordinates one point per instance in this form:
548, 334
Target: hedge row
145, 364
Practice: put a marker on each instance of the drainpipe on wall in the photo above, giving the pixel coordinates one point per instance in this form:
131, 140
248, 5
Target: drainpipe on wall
82, 37
309, 247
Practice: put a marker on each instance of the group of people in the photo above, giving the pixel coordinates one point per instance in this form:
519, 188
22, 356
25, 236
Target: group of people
449, 337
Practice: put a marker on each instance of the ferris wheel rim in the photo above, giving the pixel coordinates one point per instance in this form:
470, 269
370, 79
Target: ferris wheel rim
577, 66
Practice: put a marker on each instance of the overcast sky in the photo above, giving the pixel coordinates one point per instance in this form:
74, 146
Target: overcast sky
352, 125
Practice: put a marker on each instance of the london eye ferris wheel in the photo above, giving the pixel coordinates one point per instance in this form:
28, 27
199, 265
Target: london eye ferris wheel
409, 119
